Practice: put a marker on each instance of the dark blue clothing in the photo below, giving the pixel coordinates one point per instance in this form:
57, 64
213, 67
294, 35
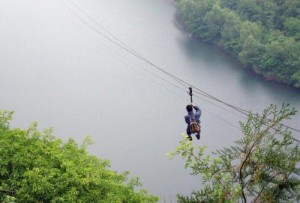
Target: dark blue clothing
191, 115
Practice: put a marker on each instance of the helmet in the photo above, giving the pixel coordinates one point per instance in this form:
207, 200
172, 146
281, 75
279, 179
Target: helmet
189, 107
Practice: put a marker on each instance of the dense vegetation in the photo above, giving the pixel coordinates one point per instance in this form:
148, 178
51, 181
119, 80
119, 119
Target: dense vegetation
37, 167
264, 35
263, 166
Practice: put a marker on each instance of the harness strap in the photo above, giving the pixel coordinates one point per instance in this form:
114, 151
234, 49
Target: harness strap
191, 94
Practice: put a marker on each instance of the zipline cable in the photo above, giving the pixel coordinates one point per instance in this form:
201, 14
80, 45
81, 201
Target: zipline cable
182, 83
100, 26
243, 111
136, 54
125, 45
297, 140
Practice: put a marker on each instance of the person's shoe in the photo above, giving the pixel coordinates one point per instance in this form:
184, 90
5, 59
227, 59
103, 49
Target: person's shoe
189, 138
198, 136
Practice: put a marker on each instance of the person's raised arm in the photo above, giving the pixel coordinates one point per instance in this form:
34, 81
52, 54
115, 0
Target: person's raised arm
198, 110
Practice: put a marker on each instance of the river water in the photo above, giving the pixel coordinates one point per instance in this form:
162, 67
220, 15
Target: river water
59, 69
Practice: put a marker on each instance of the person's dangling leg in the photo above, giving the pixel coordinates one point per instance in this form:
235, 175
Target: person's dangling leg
198, 135
188, 132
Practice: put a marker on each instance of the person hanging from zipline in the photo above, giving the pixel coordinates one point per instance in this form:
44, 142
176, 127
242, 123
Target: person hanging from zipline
193, 119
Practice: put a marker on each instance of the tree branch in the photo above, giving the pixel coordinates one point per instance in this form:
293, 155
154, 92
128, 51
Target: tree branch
274, 123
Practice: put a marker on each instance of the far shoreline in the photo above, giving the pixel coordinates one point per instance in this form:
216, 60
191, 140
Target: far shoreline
181, 26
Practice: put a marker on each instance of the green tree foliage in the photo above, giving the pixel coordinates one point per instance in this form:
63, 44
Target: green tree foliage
232, 4
249, 10
296, 79
231, 33
234, 24
193, 13
214, 20
263, 166
37, 167
268, 14
292, 27
281, 59
251, 52
250, 29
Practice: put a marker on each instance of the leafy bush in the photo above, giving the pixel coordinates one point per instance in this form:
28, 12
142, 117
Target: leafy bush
37, 167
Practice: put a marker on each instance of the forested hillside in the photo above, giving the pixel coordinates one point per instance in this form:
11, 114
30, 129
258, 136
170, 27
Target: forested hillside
264, 35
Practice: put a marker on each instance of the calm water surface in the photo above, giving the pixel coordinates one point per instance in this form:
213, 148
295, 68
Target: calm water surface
57, 70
